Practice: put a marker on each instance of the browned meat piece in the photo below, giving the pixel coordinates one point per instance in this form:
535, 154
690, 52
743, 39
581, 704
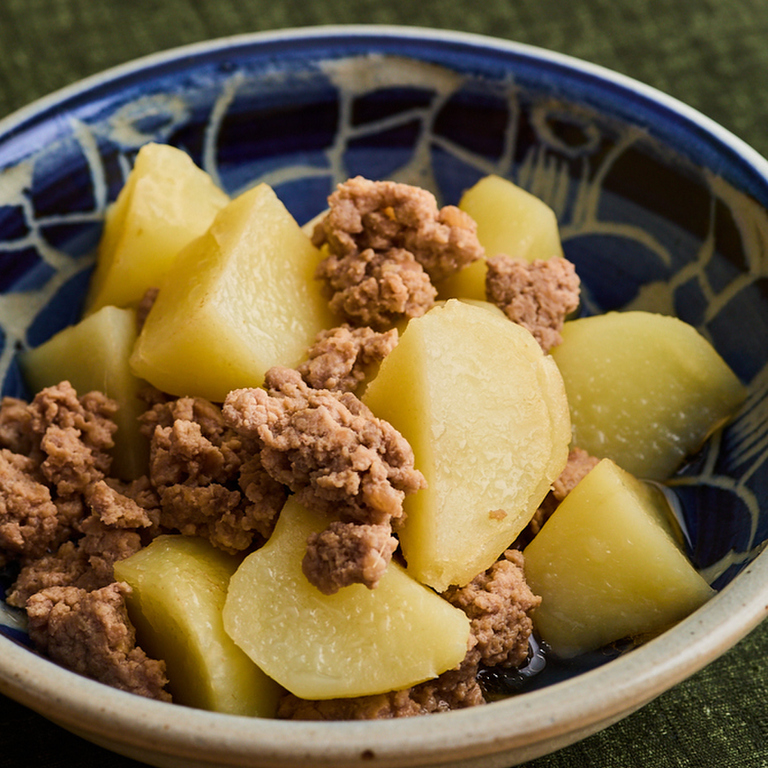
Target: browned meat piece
348, 553
327, 447
133, 504
211, 511
87, 564
210, 481
190, 443
115, 508
29, 519
339, 460
63, 568
101, 547
164, 412
182, 454
385, 215
91, 415
342, 357
114, 531
139, 490
499, 603
264, 497
90, 633
576, 469
16, 432
455, 689
387, 244
70, 465
66, 441
538, 295
377, 289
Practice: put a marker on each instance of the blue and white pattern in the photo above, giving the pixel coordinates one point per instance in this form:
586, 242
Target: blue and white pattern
658, 208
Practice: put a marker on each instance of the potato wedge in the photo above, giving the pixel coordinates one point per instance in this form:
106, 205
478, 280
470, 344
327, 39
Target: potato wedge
167, 201
179, 587
644, 389
353, 643
485, 413
608, 565
236, 301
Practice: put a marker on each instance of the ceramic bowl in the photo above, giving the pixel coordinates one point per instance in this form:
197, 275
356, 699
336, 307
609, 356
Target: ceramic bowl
659, 209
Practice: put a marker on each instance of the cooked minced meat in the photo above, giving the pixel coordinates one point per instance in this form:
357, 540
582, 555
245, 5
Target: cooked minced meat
377, 288
339, 460
538, 295
388, 244
327, 447
90, 633
499, 604
209, 480
341, 358
348, 553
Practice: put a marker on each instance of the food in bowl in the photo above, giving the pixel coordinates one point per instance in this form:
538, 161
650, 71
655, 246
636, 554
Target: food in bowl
465, 443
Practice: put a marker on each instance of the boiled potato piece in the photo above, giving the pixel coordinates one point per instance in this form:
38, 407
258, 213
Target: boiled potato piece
93, 355
608, 565
485, 412
353, 643
236, 301
166, 202
179, 587
510, 220
467, 283
644, 390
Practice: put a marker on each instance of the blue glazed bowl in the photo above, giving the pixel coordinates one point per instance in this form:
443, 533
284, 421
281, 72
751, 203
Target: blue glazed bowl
659, 209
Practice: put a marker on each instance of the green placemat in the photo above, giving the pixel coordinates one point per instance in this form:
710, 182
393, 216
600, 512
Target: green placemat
711, 54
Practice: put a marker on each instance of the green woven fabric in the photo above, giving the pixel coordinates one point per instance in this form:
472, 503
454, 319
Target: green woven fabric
711, 54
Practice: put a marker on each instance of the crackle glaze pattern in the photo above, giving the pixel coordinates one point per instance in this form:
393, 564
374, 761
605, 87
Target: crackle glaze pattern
649, 212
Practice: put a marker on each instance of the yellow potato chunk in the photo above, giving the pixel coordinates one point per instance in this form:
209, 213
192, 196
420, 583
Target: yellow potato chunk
608, 565
644, 389
467, 283
485, 412
510, 220
93, 355
353, 643
166, 202
236, 301
179, 588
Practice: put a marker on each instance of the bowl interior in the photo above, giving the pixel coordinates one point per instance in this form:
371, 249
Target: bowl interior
658, 208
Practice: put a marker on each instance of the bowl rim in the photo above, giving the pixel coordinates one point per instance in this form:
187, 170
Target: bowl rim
526, 726
619, 83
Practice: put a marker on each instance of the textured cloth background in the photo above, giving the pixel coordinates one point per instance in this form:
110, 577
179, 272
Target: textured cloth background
711, 54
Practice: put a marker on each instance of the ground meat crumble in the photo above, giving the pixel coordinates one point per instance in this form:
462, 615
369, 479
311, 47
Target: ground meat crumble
538, 295
90, 633
342, 358
499, 604
339, 460
388, 244
209, 481
348, 553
